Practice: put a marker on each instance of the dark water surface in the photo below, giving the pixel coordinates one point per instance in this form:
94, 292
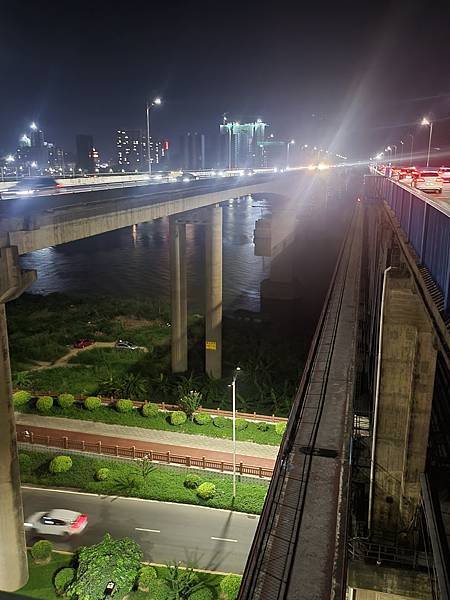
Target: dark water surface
134, 261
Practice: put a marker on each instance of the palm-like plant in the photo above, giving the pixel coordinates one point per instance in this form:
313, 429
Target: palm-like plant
182, 582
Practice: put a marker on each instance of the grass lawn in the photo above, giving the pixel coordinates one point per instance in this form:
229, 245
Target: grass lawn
43, 328
108, 414
125, 479
40, 582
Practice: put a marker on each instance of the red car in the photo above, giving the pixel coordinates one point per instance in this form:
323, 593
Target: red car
82, 343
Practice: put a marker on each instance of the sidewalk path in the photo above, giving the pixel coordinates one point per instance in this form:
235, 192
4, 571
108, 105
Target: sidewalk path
160, 441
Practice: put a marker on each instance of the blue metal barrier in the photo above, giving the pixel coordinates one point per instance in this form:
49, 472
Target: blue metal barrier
425, 223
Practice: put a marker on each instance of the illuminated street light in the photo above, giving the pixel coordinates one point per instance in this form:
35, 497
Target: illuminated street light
288, 145
426, 121
156, 102
33, 126
233, 388
10, 158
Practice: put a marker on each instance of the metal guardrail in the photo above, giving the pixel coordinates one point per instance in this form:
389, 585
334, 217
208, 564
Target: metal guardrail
426, 225
133, 452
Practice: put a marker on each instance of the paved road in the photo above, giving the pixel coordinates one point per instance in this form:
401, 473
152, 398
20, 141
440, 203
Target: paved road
217, 540
146, 193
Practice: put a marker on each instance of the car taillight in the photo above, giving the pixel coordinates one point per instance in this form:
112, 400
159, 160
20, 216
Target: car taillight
59, 185
79, 522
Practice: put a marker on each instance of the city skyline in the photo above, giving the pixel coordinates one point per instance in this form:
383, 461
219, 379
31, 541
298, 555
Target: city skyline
344, 80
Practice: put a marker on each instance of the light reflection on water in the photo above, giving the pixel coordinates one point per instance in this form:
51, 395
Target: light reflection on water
134, 261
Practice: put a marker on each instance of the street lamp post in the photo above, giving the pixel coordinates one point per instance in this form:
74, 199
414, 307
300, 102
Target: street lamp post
401, 150
411, 149
395, 153
150, 105
233, 389
388, 149
291, 143
426, 121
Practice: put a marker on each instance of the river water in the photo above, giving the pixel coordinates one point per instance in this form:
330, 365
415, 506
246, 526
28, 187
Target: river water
134, 261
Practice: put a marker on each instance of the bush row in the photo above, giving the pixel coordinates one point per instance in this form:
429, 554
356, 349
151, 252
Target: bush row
150, 410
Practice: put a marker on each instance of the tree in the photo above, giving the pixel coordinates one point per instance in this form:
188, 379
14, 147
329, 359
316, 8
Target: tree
190, 402
144, 466
110, 560
182, 582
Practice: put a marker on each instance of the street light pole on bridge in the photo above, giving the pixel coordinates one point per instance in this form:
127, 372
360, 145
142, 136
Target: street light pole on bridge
150, 105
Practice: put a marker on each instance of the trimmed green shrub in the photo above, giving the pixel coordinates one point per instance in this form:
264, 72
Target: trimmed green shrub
202, 594
147, 576
21, 398
178, 417
206, 490
60, 464
229, 586
124, 406
220, 422
202, 418
44, 404
159, 590
241, 424
192, 481
263, 426
150, 409
280, 428
42, 552
63, 579
92, 402
102, 474
66, 400
24, 462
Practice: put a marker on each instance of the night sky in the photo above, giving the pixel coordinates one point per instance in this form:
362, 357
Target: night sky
345, 75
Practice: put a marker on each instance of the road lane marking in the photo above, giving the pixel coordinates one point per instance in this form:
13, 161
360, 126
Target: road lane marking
150, 530
223, 539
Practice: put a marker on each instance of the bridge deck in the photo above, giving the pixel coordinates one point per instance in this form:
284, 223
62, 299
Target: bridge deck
299, 547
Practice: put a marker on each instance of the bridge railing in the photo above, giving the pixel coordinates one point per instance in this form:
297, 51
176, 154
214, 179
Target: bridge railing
425, 223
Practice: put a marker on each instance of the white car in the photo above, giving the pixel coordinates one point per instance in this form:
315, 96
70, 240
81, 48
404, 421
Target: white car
428, 181
444, 173
57, 522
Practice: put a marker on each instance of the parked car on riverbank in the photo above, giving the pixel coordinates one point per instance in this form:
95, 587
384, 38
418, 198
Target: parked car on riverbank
83, 343
125, 345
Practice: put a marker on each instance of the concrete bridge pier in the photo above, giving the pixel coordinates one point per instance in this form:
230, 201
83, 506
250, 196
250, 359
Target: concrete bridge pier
401, 425
178, 293
213, 316
13, 556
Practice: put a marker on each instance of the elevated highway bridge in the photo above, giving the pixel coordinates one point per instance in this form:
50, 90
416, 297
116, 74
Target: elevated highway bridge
353, 509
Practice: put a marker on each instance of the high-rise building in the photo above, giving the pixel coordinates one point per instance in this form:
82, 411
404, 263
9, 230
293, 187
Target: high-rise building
131, 147
159, 153
85, 153
239, 144
193, 151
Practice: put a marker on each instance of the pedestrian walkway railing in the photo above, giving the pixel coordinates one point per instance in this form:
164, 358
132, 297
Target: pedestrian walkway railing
425, 222
214, 412
133, 452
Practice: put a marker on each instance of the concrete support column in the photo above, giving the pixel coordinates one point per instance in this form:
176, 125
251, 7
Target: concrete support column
213, 317
13, 557
408, 361
178, 293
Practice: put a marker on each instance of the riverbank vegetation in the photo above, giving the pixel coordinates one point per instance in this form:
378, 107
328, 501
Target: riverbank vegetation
42, 330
